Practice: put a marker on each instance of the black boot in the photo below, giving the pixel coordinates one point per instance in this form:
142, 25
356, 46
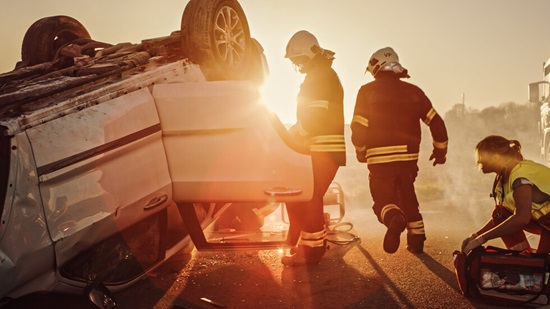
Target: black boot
396, 226
415, 242
310, 250
304, 256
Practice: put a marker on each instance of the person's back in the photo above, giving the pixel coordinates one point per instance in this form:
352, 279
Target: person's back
394, 108
386, 135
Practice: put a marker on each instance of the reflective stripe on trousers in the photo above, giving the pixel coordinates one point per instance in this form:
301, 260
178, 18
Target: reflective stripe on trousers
316, 239
416, 228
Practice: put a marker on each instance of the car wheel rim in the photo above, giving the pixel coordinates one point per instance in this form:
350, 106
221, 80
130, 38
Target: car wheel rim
229, 37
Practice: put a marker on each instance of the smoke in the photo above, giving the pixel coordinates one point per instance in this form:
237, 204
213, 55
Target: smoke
458, 184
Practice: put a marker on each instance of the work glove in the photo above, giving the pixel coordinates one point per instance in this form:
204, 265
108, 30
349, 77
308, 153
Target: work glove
439, 156
472, 242
361, 156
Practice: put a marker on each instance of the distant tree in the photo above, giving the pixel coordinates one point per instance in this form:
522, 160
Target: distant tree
459, 181
510, 119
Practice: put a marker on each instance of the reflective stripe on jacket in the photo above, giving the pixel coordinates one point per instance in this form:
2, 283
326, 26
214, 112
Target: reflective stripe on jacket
386, 122
320, 112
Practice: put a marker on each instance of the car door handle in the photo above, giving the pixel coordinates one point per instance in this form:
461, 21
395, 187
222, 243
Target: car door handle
157, 201
281, 191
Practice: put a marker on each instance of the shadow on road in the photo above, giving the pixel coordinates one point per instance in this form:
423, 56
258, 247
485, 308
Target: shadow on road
392, 291
440, 270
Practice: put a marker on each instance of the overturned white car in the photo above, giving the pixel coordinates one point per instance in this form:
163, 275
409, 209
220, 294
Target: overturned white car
114, 156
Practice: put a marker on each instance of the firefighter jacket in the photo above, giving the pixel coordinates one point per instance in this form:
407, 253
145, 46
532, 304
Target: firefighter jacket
535, 173
320, 113
386, 124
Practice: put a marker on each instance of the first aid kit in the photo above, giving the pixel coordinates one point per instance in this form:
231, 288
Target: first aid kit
500, 275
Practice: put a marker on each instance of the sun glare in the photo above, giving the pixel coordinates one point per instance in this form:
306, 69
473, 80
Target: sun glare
281, 89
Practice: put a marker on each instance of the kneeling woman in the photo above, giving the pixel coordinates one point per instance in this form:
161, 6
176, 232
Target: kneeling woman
522, 196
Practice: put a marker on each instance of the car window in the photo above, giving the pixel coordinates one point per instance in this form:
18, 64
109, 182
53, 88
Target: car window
4, 167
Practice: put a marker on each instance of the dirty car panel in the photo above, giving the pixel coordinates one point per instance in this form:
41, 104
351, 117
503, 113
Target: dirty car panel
26, 251
97, 184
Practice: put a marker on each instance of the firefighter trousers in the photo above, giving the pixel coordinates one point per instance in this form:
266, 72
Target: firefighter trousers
309, 216
394, 190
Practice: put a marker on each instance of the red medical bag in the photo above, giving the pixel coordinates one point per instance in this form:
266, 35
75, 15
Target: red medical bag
500, 275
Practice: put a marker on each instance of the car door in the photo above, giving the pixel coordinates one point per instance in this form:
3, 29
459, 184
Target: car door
224, 145
227, 153
105, 186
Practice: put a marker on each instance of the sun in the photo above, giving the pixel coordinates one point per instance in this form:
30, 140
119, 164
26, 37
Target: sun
281, 89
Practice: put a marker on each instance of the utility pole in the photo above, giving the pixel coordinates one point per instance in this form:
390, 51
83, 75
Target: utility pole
463, 104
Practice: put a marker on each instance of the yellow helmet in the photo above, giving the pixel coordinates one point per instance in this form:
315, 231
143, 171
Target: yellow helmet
384, 59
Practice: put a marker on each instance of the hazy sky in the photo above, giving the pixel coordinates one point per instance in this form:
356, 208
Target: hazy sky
490, 50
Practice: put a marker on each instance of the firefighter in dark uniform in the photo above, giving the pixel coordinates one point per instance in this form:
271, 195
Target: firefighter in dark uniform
386, 135
320, 125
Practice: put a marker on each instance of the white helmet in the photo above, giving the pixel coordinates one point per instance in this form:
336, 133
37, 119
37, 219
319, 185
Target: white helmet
302, 43
384, 59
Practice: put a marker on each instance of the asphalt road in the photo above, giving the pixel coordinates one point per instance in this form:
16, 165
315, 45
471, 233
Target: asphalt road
359, 275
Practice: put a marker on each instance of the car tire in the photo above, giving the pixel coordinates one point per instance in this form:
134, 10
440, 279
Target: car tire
45, 36
215, 35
